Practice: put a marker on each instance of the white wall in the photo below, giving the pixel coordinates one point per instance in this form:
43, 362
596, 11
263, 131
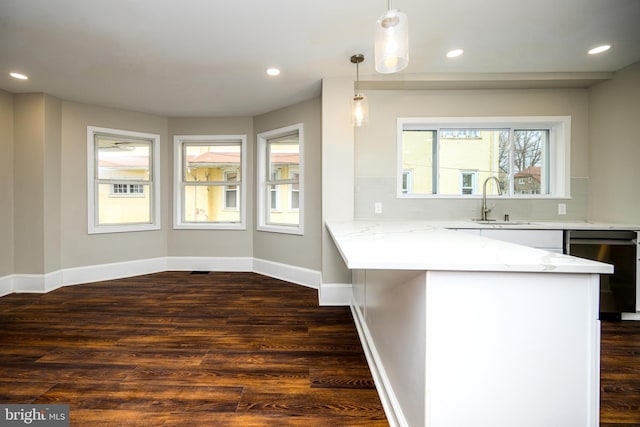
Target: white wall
614, 113
337, 171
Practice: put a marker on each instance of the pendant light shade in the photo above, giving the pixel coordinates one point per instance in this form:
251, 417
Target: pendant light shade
392, 42
359, 104
359, 110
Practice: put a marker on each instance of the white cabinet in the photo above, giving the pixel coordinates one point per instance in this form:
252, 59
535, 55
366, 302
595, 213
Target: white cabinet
496, 344
549, 240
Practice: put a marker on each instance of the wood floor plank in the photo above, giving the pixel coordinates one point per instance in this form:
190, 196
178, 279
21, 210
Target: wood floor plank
341, 377
336, 402
144, 397
231, 378
620, 374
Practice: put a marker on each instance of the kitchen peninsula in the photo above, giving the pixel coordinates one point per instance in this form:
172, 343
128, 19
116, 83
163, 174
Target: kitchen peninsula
464, 330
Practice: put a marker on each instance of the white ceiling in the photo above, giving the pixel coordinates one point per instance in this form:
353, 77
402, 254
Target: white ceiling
208, 57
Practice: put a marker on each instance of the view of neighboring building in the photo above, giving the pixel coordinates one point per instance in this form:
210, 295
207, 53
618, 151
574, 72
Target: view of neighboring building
458, 161
527, 181
211, 177
284, 188
211, 183
124, 172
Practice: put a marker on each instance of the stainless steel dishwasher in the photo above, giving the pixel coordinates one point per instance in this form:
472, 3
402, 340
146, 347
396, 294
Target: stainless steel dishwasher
619, 292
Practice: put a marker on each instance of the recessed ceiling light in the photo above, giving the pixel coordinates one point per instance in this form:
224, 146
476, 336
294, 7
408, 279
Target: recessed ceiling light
599, 49
273, 71
454, 53
18, 76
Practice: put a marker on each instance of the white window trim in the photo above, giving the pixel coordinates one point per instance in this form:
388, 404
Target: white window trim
178, 223
559, 159
154, 183
264, 202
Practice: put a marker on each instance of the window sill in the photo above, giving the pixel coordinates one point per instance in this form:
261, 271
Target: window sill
120, 228
210, 226
284, 229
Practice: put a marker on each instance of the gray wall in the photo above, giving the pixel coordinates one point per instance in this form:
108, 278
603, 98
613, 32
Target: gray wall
78, 247
215, 243
375, 150
29, 124
52, 175
44, 160
6, 178
302, 251
614, 112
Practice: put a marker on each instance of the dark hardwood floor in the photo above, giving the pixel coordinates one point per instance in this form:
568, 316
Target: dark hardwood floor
180, 349
219, 349
620, 374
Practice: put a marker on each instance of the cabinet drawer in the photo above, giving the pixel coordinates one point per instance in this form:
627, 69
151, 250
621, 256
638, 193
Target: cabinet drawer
542, 239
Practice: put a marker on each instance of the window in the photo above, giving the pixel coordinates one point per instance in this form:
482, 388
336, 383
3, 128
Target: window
407, 181
273, 191
231, 191
469, 182
123, 170
294, 190
121, 190
209, 188
454, 156
280, 180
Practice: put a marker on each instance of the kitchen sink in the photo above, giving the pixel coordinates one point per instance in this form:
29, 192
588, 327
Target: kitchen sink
479, 221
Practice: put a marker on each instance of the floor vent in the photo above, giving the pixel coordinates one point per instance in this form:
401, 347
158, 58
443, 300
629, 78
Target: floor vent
199, 272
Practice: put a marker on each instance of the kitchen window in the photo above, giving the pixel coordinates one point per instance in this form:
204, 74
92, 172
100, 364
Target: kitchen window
209, 187
123, 180
452, 157
280, 180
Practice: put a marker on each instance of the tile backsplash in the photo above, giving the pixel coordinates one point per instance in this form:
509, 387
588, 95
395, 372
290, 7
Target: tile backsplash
372, 190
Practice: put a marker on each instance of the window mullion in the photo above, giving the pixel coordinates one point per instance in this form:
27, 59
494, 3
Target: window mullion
435, 161
511, 179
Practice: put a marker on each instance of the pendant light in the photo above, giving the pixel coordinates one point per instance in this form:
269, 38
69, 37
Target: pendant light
359, 105
392, 41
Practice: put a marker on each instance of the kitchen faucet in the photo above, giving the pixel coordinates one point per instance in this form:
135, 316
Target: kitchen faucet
486, 210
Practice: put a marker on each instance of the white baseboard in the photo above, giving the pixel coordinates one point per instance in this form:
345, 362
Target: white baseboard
334, 294
238, 264
630, 316
6, 285
39, 283
116, 270
298, 275
390, 403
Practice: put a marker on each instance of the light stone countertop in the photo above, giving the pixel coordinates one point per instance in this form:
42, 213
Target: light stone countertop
427, 245
532, 225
